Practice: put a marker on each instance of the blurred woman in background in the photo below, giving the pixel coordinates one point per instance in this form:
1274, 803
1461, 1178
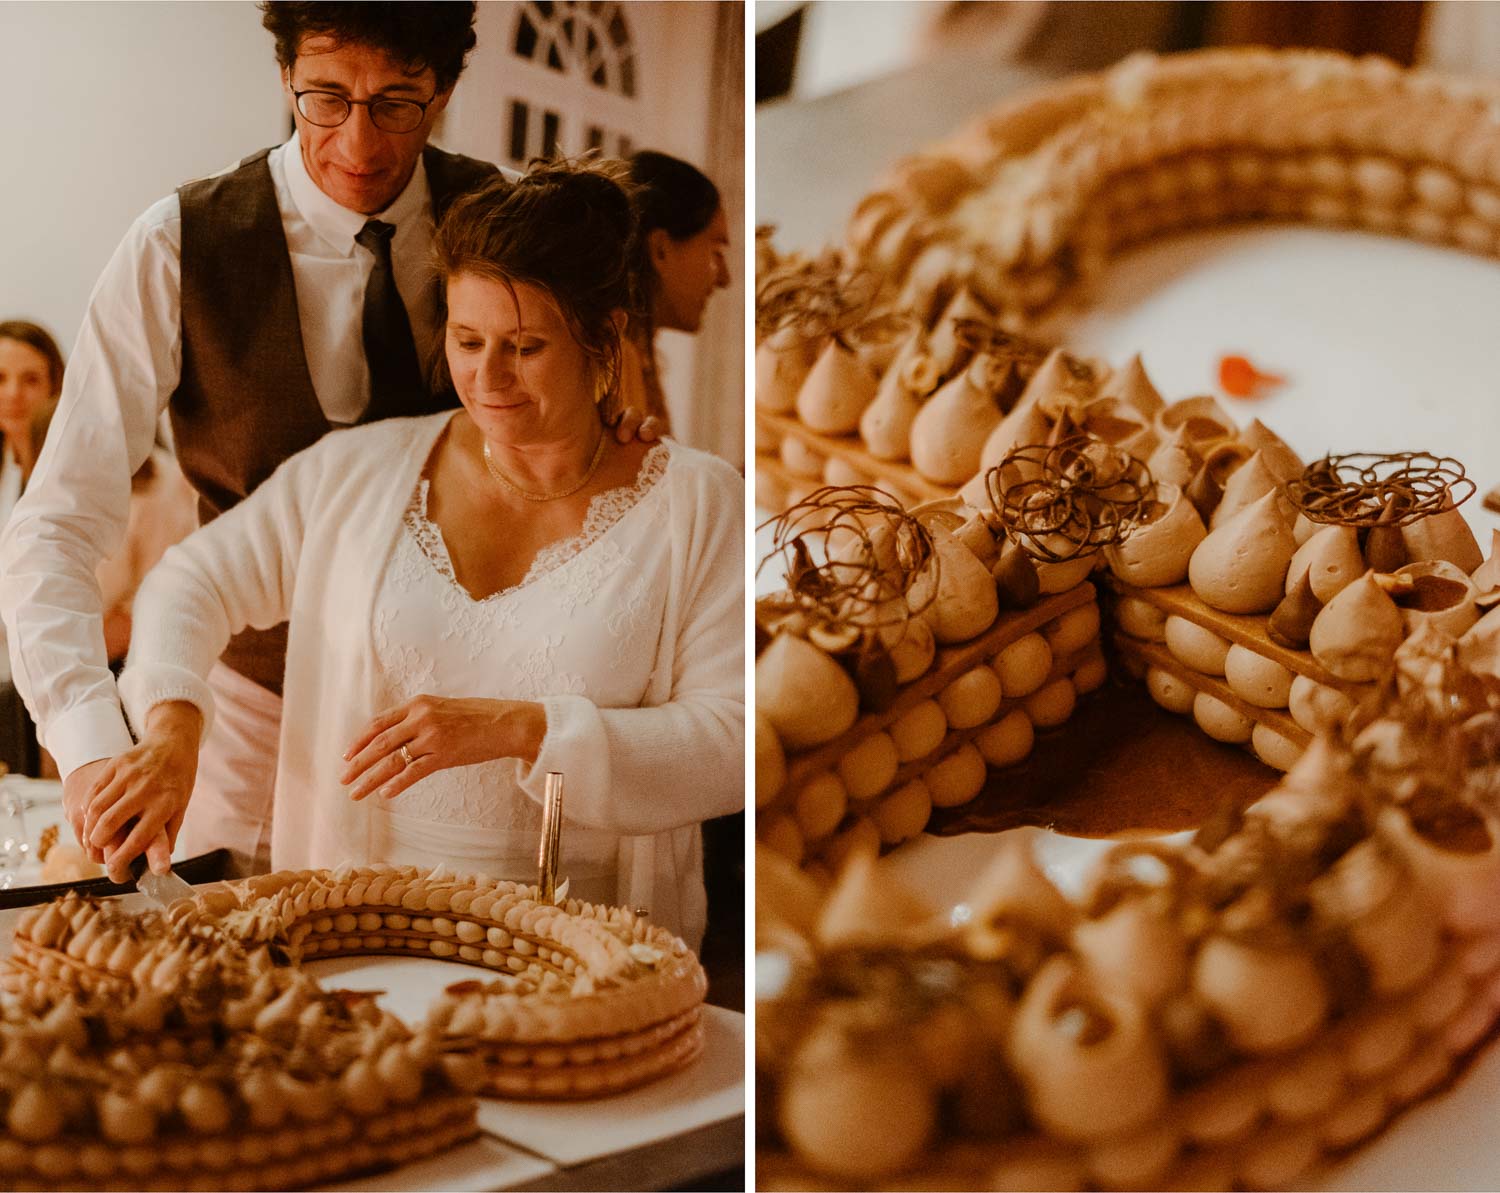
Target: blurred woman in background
684, 234
31, 373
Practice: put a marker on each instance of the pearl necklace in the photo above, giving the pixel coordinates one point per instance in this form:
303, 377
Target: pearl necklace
489, 462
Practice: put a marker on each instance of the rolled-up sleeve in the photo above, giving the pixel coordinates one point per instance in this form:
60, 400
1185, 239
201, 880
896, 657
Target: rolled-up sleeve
122, 372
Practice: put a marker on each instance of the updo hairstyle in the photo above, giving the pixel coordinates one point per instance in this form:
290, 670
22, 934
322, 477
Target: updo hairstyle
566, 228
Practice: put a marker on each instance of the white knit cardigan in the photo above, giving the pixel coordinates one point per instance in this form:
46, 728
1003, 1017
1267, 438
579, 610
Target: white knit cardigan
309, 546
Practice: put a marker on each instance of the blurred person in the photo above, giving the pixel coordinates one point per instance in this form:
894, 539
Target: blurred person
601, 635
684, 236
163, 511
31, 377
261, 307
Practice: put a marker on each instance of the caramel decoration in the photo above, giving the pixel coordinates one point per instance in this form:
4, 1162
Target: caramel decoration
1067, 500
1367, 489
866, 585
826, 298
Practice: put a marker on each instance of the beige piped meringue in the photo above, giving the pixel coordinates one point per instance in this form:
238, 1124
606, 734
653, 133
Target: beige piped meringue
1303, 528
945, 350
1202, 419
836, 391
1132, 386
1085, 1080
1443, 597
1465, 883
1157, 551
1247, 484
1241, 566
948, 434
1356, 633
1122, 425
782, 363
1014, 886
1486, 576
868, 907
1330, 559
787, 672
1283, 462
1024, 425
1061, 382
1369, 894
1479, 648
885, 425
1135, 948
1176, 460
1443, 535
1268, 999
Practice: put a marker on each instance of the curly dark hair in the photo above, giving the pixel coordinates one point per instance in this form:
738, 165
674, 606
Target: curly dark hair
418, 35
567, 228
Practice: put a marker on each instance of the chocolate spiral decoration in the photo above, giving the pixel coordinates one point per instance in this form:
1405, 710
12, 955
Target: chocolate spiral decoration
858, 591
1062, 501
825, 297
981, 336
1365, 489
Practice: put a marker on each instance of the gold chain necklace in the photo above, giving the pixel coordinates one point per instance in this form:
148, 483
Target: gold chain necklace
489, 462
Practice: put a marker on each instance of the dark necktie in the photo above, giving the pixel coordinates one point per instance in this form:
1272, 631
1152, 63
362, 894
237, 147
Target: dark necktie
396, 385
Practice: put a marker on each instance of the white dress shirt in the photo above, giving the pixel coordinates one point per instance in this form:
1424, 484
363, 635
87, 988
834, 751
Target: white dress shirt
124, 368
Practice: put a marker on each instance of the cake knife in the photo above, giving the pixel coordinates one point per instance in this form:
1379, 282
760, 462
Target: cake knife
165, 889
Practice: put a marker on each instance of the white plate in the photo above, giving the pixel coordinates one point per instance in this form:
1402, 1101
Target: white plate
570, 1133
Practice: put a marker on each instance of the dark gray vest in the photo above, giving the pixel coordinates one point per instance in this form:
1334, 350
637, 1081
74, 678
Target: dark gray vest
245, 401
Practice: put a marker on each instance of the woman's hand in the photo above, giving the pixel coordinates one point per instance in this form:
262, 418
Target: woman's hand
139, 798
78, 790
431, 733
629, 425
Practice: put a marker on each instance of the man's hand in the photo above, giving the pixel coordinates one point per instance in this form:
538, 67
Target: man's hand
436, 733
632, 425
138, 799
78, 789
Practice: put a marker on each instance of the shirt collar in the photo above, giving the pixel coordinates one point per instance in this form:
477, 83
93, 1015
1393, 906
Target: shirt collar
338, 225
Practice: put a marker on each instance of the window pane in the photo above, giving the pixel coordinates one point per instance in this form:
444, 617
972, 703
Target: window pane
627, 76
553, 60
550, 123
518, 121
525, 37
626, 148
596, 137
617, 31
544, 7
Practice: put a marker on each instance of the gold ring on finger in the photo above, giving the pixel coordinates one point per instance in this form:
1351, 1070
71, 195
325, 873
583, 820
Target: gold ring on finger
406, 758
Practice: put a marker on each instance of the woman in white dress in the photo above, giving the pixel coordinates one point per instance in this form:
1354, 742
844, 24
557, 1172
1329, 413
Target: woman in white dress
475, 598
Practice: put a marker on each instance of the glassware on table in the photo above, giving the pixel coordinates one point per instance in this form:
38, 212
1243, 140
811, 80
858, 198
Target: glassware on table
15, 845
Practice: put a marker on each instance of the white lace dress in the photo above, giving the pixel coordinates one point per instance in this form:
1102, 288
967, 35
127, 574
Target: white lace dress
575, 625
631, 637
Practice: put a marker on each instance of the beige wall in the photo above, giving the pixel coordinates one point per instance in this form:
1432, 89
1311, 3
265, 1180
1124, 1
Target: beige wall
108, 106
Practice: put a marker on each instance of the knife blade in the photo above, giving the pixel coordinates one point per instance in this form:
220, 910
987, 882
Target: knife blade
165, 889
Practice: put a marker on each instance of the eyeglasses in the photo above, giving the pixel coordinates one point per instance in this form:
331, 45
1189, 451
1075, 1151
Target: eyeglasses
328, 109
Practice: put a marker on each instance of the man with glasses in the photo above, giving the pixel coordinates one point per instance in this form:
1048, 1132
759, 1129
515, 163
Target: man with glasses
261, 307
